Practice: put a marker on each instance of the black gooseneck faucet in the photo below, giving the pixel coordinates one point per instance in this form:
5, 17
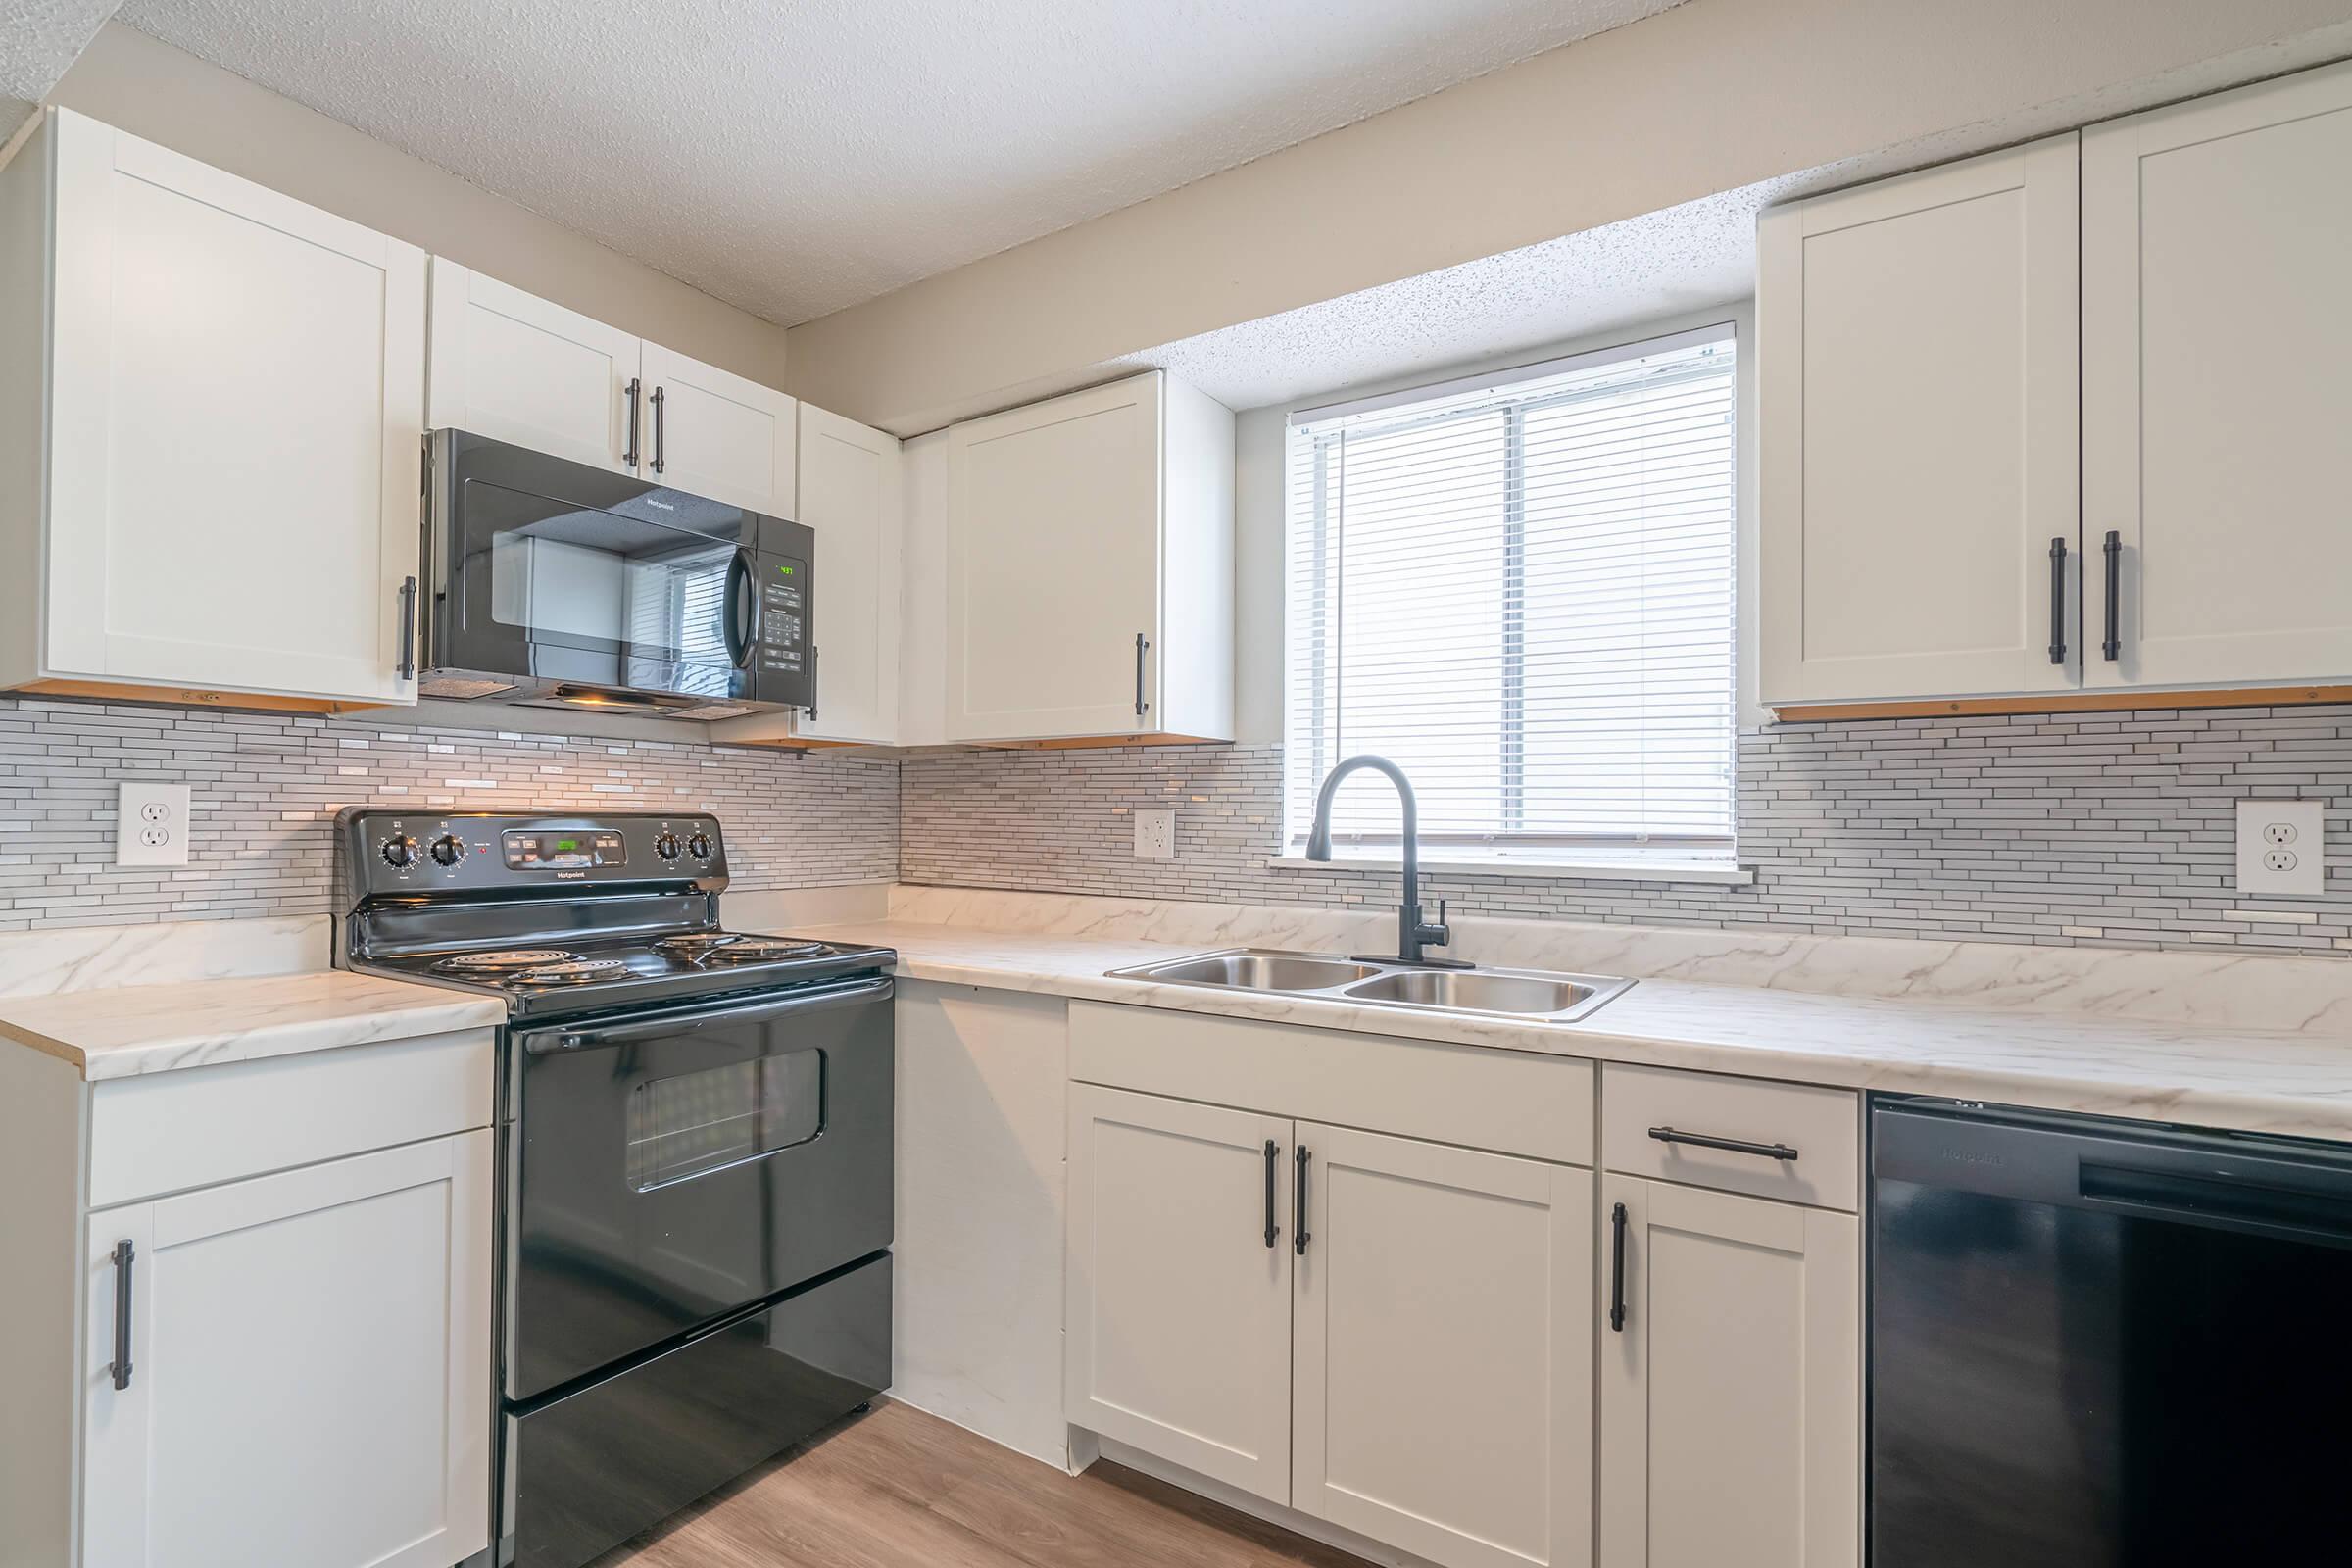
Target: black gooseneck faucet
1412, 932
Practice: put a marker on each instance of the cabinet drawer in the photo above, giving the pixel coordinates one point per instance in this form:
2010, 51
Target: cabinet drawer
168, 1131
1822, 1125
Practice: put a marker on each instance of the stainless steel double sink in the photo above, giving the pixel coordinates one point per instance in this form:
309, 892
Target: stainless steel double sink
1534, 993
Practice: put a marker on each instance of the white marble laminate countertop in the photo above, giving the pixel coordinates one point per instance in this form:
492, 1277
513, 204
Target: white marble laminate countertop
2252, 1080
121, 1031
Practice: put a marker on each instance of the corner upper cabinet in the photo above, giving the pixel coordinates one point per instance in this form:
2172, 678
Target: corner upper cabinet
514, 367
1090, 567
1918, 389
211, 448
2216, 328
851, 493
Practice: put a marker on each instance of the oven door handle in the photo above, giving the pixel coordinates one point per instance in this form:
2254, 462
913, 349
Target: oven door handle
663, 1026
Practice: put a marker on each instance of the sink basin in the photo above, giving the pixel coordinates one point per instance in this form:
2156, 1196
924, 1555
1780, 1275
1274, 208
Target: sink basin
1369, 982
1472, 991
1260, 972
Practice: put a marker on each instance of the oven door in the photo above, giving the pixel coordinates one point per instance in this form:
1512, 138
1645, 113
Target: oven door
667, 1168
551, 572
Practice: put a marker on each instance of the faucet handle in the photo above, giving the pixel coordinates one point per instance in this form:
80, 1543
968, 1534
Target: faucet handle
1438, 935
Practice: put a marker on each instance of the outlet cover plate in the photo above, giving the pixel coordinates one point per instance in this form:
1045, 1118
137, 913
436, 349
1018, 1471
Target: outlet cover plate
2281, 848
151, 823
1156, 835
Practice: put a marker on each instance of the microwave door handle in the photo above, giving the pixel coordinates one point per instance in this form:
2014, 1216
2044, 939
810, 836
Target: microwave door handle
742, 608
549, 1042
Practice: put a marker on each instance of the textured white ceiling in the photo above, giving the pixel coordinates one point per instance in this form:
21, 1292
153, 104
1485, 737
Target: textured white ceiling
38, 40
796, 158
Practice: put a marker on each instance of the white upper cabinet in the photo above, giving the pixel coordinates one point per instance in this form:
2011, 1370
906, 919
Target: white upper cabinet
1090, 567
1917, 376
712, 434
2217, 323
235, 404
514, 367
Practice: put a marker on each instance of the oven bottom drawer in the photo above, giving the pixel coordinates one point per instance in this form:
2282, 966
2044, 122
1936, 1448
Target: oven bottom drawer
593, 1468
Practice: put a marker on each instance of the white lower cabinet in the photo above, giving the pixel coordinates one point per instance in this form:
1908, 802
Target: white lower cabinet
309, 1378
1442, 1392
1729, 1395
1412, 1364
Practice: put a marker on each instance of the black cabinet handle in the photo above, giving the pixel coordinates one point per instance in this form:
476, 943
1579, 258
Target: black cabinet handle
408, 628
2057, 600
2113, 647
1273, 1158
660, 461
1617, 1269
1729, 1145
119, 1368
631, 394
1141, 645
813, 653
1299, 1236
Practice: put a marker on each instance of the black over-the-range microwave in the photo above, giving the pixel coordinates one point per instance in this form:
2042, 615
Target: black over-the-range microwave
552, 582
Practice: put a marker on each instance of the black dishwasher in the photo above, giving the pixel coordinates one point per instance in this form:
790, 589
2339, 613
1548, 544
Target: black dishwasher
2097, 1344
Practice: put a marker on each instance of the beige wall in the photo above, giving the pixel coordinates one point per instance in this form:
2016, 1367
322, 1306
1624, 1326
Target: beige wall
1709, 96
153, 90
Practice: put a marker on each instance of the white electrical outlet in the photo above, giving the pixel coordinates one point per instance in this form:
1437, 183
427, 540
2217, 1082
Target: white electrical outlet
151, 823
2281, 848
1156, 835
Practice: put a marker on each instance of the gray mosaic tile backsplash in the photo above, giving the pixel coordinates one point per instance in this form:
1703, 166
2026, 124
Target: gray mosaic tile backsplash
266, 788
2099, 829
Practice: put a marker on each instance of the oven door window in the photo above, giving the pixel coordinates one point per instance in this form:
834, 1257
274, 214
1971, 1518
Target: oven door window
689, 1125
654, 599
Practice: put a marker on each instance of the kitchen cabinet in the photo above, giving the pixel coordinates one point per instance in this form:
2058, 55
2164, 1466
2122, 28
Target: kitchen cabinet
2216, 325
1442, 1325
514, 367
212, 460
1387, 1333
308, 1373
850, 492
1918, 383
1729, 1389
1090, 567
1179, 1314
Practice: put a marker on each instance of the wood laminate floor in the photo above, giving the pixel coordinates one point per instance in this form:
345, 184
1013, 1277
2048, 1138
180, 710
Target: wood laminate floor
898, 1488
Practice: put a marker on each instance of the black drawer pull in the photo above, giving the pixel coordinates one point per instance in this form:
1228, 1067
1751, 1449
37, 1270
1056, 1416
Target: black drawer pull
1273, 1158
1617, 1269
1299, 1236
120, 1367
1729, 1145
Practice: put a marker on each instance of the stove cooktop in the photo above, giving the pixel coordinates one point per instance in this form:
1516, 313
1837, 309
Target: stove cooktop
598, 972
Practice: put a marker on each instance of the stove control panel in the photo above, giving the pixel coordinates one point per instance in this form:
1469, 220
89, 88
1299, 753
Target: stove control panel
397, 851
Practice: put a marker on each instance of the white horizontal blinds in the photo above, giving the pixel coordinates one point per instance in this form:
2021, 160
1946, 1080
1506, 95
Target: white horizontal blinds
1521, 593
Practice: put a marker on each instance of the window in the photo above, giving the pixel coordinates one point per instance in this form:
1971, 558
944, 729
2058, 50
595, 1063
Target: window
1519, 589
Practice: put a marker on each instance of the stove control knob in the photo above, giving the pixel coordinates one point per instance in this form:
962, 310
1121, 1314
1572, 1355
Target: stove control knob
667, 845
700, 846
400, 851
447, 849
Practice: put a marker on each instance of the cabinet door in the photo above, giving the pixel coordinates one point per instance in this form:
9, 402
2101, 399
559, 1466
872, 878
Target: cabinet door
1917, 386
2216, 328
1444, 1342
513, 367
849, 494
1179, 1315
1053, 538
310, 1368
1730, 1411
236, 412
712, 434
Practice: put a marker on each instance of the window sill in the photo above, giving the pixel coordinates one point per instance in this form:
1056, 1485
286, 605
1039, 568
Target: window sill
1720, 873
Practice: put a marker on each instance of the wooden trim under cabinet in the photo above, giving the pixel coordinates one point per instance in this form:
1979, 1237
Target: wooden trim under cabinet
189, 696
2099, 702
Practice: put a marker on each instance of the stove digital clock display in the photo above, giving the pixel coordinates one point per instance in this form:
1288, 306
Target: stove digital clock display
562, 852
